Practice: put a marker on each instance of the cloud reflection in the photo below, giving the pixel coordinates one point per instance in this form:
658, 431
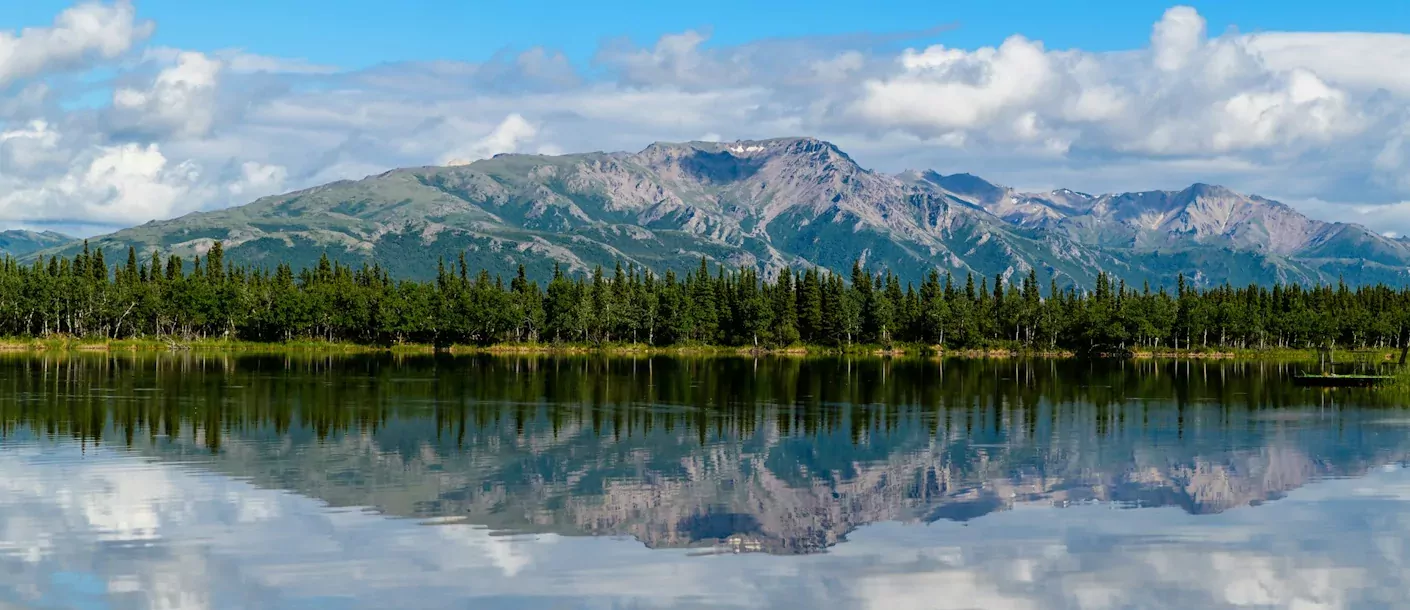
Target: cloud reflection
108, 529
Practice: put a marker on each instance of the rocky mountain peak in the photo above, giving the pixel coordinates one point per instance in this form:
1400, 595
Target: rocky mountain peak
1208, 210
967, 186
753, 152
770, 162
1069, 193
1200, 191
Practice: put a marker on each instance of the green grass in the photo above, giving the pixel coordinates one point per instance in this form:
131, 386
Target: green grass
1282, 354
1372, 357
74, 344
80, 344
1400, 383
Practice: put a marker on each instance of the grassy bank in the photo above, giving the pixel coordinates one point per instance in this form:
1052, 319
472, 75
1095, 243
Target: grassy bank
1275, 353
1400, 384
74, 344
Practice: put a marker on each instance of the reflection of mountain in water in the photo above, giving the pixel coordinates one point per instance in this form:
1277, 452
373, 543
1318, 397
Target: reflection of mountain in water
783, 456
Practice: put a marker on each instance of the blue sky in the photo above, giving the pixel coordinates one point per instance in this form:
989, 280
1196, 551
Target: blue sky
117, 112
361, 33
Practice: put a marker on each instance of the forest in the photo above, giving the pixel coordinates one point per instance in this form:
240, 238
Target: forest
168, 299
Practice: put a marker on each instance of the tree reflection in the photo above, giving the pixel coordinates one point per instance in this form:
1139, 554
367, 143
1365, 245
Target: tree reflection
780, 454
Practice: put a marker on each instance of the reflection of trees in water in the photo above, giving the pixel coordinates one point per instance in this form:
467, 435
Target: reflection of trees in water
81, 395
783, 455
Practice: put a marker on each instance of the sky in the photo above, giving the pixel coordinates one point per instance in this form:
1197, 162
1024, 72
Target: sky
115, 113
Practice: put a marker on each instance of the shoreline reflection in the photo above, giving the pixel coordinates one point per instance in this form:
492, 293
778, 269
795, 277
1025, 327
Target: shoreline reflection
777, 456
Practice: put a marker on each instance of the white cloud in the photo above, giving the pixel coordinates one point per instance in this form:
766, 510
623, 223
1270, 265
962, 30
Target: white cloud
506, 137
257, 180
180, 102
947, 89
1178, 36
54, 180
1355, 60
79, 34
29, 147
1300, 107
1189, 95
127, 181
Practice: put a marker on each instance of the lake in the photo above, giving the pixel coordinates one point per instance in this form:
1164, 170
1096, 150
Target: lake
225, 481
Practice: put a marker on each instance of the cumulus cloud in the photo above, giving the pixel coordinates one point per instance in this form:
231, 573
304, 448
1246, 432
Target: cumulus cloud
1187, 95
86, 32
114, 184
179, 103
58, 177
1302, 116
1353, 60
1178, 36
506, 137
950, 89
257, 179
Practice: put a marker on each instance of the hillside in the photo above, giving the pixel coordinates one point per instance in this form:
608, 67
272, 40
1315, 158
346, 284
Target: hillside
770, 204
22, 243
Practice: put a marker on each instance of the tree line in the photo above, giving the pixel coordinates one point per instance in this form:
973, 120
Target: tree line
167, 298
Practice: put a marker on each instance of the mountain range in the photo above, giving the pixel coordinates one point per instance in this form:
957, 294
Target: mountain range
771, 204
20, 243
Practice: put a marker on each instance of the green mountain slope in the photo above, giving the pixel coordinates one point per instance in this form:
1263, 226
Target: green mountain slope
767, 204
21, 243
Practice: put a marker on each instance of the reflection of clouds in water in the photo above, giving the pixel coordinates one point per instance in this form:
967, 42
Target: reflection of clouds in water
164, 536
1311, 550
506, 554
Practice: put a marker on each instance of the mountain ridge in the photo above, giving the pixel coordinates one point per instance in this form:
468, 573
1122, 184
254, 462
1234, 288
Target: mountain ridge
21, 242
770, 204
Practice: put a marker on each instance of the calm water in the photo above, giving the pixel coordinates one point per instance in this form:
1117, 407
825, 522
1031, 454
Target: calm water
379, 482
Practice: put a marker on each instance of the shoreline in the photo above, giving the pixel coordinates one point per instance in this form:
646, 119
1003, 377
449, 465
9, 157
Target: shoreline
72, 345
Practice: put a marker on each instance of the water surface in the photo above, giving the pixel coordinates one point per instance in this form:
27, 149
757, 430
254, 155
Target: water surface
198, 481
